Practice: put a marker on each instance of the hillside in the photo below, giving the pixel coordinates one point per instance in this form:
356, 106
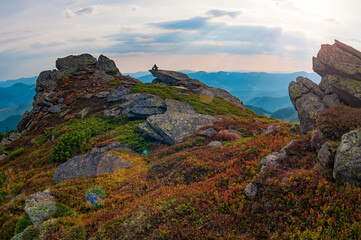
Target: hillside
105, 156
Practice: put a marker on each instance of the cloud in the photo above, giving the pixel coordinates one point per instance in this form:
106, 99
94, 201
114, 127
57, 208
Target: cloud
46, 45
81, 12
189, 24
201, 35
222, 13
332, 21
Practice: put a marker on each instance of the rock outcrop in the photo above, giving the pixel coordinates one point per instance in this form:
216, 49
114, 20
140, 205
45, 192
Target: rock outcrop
347, 167
172, 78
339, 66
75, 77
97, 162
178, 122
107, 65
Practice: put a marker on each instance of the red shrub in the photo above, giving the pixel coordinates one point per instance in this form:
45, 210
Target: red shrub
338, 120
227, 136
39, 116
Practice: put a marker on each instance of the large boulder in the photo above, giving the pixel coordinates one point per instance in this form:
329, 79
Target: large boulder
72, 62
307, 97
347, 167
169, 77
117, 94
107, 65
136, 105
339, 66
92, 164
218, 93
173, 126
338, 59
144, 106
40, 206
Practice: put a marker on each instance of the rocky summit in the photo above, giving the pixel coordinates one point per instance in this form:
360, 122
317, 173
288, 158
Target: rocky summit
105, 156
339, 66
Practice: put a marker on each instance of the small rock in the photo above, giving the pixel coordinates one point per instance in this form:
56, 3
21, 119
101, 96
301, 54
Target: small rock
16, 197
325, 157
271, 159
103, 94
113, 113
13, 136
2, 156
251, 190
61, 100
317, 140
55, 108
272, 129
284, 180
88, 95
83, 113
295, 129
215, 144
40, 206
63, 114
117, 94
209, 131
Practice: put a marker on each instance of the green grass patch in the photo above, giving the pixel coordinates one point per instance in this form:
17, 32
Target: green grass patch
128, 136
77, 137
16, 153
111, 72
162, 91
23, 223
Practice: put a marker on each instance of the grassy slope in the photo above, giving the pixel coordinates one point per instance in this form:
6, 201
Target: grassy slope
186, 191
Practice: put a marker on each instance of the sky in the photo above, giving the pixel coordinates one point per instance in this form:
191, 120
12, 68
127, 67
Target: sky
208, 35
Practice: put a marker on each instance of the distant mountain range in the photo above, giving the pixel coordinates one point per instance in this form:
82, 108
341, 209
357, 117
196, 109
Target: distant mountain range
284, 114
16, 94
270, 104
9, 123
15, 110
27, 81
245, 85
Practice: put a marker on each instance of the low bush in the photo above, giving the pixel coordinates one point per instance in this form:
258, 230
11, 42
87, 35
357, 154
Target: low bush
16, 153
338, 120
227, 136
23, 223
78, 135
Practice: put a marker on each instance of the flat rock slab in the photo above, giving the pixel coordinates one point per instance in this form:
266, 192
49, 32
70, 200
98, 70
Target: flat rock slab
40, 206
91, 164
173, 127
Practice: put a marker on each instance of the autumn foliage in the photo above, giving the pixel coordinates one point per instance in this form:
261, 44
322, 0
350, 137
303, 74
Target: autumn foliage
338, 120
